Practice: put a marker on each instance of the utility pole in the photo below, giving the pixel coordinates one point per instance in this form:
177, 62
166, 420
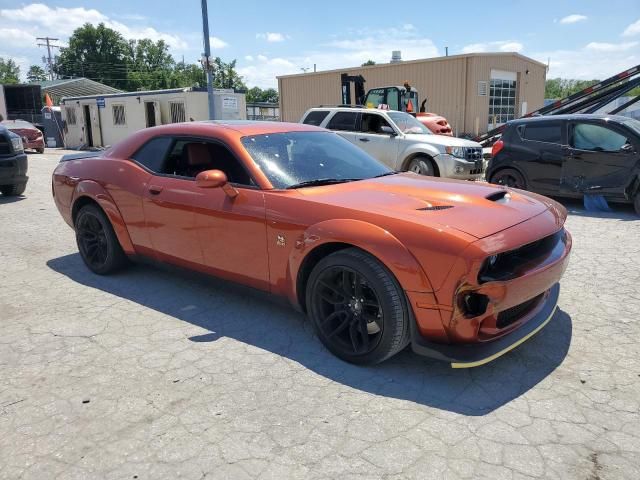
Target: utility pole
207, 56
49, 46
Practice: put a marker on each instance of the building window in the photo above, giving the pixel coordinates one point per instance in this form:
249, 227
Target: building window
118, 115
177, 112
70, 114
502, 101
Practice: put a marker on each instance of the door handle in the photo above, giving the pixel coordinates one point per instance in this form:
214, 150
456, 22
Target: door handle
155, 189
363, 139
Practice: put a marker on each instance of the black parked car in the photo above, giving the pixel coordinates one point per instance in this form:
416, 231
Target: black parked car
13, 163
570, 155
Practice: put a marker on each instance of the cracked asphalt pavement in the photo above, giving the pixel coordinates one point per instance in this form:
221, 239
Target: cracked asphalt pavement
154, 374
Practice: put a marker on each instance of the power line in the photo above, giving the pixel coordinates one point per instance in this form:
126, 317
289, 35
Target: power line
49, 46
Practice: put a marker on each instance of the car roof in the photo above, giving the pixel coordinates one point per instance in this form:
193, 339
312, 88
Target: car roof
223, 129
571, 116
348, 109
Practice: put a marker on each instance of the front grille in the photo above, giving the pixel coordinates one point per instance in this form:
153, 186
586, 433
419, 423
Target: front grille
513, 314
472, 154
508, 264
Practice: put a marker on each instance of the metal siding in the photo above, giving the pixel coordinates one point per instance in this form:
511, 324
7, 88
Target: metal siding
442, 81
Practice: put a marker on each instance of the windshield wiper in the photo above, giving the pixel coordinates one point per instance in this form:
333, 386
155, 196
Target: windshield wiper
322, 181
393, 172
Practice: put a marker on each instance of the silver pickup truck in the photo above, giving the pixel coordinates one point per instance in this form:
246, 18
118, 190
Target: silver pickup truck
400, 141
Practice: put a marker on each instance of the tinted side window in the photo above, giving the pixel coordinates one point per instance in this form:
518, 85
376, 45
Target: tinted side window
316, 117
586, 136
547, 132
343, 121
153, 153
373, 123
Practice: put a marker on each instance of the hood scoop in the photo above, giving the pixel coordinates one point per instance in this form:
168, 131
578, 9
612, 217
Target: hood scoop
501, 196
436, 207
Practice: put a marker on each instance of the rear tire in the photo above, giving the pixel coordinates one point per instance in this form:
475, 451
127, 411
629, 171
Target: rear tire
357, 307
13, 190
97, 242
423, 166
509, 177
40, 150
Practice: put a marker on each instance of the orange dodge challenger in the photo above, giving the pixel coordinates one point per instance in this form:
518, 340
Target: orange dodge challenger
378, 259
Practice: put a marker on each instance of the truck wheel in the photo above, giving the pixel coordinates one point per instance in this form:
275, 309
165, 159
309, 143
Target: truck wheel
357, 307
13, 190
509, 177
40, 150
97, 242
423, 166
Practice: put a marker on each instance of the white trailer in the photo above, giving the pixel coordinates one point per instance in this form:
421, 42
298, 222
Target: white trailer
102, 120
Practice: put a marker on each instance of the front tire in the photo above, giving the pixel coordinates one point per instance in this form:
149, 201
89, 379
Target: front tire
13, 190
509, 177
357, 307
97, 242
423, 166
40, 150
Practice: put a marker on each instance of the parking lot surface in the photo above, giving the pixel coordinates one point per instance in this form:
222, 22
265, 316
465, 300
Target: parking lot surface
155, 374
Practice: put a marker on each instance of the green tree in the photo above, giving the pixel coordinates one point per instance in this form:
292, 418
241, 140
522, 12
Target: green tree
9, 71
256, 94
150, 65
368, 62
188, 75
36, 74
225, 75
98, 53
563, 87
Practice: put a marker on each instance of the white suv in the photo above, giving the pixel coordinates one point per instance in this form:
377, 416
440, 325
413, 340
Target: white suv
400, 141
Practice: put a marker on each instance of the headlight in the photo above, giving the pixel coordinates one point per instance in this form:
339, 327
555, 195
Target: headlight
455, 151
16, 143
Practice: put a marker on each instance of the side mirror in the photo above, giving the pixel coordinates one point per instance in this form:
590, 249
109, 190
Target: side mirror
216, 179
627, 148
388, 130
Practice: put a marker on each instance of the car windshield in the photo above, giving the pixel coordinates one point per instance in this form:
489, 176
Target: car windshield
633, 124
299, 159
408, 124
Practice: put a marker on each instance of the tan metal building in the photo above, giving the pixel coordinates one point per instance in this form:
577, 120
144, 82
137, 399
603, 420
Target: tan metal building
474, 92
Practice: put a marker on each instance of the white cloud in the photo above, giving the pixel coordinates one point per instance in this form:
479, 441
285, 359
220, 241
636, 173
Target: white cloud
248, 58
575, 18
15, 37
593, 61
500, 46
272, 37
350, 50
39, 20
217, 43
611, 47
632, 30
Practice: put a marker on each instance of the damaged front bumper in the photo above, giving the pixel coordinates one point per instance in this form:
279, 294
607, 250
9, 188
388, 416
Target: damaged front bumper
474, 355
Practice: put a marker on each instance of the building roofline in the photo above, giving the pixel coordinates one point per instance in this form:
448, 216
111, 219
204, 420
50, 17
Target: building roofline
134, 94
420, 60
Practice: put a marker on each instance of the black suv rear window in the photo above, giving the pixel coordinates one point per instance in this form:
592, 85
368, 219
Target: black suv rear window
343, 121
316, 117
547, 132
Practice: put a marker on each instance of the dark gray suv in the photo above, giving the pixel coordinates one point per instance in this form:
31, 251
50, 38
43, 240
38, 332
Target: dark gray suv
570, 155
13, 163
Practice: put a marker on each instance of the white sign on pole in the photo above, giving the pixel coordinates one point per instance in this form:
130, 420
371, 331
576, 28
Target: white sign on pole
229, 103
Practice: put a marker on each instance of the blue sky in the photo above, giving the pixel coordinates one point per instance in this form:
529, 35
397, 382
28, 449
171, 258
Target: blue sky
582, 39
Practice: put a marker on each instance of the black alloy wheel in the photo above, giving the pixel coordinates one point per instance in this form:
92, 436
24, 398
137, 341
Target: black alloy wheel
357, 307
509, 177
351, 316
97, 242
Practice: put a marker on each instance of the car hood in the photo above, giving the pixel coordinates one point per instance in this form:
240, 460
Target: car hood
475, 208
442, 140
